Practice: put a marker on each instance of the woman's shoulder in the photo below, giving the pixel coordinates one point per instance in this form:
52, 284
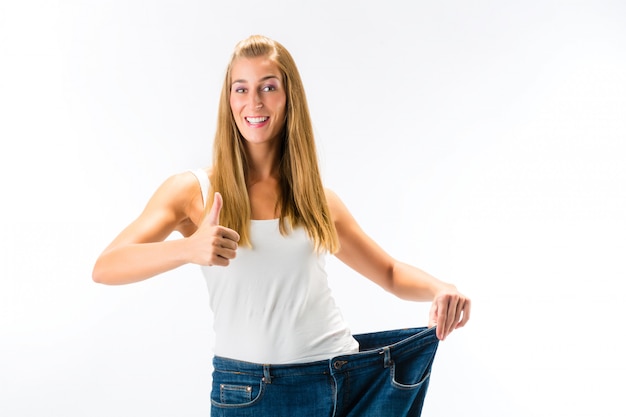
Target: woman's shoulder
181, 183
331, 196
335, 205
181, 190
183, 193
186, 180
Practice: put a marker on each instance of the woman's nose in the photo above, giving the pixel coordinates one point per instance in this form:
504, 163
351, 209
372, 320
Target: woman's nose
255, 101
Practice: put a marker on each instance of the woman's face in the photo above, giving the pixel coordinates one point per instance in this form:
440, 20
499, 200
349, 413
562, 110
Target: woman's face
258, 99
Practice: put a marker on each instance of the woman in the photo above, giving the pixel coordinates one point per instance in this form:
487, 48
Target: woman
260, 235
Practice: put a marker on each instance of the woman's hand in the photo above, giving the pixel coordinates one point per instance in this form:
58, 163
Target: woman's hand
213, 244
450, 310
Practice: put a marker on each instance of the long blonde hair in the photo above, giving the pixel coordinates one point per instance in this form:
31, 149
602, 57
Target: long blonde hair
302, 201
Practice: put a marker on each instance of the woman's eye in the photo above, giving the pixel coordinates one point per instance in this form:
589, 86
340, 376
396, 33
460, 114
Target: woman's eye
268, 88
240, 90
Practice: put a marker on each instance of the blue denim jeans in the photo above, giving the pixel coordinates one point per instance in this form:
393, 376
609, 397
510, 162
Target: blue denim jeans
387, 377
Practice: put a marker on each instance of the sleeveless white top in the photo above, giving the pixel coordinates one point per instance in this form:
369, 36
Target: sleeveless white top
272, 304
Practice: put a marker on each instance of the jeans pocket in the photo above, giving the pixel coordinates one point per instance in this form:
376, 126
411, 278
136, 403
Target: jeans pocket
235, 394
409, 374
235, 390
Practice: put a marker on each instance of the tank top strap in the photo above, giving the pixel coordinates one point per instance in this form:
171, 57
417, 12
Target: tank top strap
203, 179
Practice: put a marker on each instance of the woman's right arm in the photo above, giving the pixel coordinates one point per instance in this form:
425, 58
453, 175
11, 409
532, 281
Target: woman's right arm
140, 251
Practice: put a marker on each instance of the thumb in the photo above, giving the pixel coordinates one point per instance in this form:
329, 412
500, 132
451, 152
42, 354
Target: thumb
214, 214
433, 315
434, 319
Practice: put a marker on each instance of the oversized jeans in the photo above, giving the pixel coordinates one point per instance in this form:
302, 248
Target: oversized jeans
388, 377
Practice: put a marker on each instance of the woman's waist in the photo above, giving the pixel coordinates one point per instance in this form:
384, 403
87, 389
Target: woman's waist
374, 348
282, 342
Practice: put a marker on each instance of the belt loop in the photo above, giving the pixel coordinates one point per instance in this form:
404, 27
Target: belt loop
387, 359
267, 377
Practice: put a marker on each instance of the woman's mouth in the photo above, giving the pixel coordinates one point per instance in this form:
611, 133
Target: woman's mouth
256, 121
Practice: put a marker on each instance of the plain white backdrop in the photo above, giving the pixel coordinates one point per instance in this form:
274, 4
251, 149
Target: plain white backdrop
482, 141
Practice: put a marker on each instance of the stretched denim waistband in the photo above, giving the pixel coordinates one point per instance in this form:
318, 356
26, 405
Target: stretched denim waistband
377, 348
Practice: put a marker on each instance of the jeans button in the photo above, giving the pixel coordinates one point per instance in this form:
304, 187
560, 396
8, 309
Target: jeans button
339, 364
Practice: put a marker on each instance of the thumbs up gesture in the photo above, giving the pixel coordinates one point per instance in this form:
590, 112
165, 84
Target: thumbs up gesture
213, 217
214, 244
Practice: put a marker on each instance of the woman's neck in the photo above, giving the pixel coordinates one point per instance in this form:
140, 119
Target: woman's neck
262, 163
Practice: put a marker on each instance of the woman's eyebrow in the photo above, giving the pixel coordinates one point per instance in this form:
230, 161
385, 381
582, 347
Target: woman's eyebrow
267, 77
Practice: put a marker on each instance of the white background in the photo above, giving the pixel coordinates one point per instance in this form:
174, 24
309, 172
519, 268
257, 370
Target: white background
483, 141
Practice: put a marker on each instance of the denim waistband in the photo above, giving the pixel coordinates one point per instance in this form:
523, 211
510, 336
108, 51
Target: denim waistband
377, 348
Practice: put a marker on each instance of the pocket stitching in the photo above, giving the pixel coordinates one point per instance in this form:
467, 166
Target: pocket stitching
402, 386
246, 389
242, 405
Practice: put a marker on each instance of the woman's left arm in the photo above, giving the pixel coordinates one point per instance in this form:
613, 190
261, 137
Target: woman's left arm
449, 310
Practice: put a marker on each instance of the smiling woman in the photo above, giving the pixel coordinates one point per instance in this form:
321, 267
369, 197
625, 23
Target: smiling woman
258, 99
260, 224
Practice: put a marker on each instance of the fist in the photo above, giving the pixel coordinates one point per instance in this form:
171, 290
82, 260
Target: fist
214, 245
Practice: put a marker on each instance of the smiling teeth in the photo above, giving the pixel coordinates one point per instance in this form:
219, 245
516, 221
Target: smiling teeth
256, 119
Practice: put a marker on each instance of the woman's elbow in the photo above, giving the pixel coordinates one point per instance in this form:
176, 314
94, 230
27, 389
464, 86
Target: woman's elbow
98, 276
101, 274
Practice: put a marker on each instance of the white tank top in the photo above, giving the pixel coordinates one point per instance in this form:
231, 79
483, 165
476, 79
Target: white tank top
272, 304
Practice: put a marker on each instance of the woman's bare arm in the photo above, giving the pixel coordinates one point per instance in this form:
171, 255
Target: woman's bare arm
450, 309
140, 251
